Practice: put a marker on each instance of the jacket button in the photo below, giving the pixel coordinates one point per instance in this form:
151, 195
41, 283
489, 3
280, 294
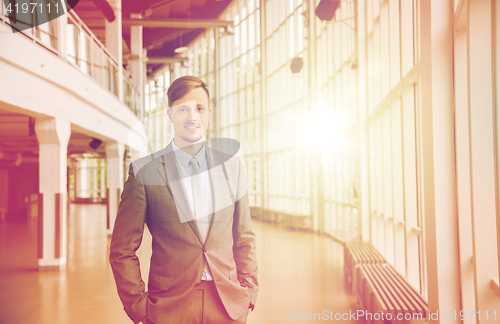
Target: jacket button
205, 249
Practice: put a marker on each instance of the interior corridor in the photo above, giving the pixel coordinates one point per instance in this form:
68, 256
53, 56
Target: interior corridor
297, 271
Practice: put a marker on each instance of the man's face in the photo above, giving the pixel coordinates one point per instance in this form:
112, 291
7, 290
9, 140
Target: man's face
190, 116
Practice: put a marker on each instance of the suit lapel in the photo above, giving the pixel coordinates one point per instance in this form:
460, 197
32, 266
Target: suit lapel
166, 166
169, 170
220, 191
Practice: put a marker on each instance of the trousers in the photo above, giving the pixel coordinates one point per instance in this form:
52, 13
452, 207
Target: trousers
207, 308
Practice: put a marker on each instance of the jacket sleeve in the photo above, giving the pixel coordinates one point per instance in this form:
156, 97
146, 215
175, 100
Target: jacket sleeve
126, 239
244, 245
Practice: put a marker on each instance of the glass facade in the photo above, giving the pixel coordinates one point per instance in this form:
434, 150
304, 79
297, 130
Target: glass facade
239, 113
393, 91
156, 122
341, 147
271, 110
336, 99
86, 178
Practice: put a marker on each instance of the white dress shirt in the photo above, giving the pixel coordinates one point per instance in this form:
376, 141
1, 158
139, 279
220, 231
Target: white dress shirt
185, 172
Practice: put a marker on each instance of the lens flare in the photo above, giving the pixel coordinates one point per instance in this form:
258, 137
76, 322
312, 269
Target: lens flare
324, 131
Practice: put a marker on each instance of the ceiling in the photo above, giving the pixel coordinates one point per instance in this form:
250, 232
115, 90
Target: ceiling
17, 136
159, 41
18, 141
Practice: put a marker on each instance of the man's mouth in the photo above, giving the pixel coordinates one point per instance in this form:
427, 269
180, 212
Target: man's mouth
192, 127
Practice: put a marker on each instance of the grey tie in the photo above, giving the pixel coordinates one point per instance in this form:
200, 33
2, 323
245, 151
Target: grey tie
198, 199
200, 214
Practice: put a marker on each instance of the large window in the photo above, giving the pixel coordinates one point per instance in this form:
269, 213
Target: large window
477, 128
344, 146
393, 90
240, 108
87, 178
202, 64
336, 100
156, 122
289, 183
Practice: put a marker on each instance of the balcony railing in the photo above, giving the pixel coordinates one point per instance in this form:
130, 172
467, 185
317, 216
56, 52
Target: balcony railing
83, 50
130, 94
45, 35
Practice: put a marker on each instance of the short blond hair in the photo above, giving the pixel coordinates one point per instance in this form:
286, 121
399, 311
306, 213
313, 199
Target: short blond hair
181, 87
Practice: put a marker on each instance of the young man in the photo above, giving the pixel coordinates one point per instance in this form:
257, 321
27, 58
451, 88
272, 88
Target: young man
194, 201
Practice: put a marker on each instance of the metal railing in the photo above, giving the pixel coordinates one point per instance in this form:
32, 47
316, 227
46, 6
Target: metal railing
87, 53
131, 96
45, 35
83, 50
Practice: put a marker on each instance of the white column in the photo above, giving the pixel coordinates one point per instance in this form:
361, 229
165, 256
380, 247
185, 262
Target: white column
462, 147
4, 192
83, 179
94, 175
263, 105
437, 158
53, 136
313, 159
114, 165
103, 182
145, 78
482, 156
363, 122
114, 41
137, 66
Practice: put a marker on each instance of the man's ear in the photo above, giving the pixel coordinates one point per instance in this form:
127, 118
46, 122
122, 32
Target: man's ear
169, 113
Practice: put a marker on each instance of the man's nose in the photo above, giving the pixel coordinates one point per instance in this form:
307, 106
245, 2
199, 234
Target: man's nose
194, 114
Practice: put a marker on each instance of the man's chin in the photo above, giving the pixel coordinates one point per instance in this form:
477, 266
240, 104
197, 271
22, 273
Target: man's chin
192, 140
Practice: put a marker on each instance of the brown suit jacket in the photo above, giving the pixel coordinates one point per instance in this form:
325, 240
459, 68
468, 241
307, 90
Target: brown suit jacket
178, 253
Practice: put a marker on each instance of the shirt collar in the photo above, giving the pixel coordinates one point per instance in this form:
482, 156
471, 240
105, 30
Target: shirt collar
184, 158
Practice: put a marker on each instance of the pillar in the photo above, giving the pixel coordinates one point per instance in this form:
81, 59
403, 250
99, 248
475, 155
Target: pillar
363, 122
263, 108
103, 174
82, 178
114, 38
114, 165
483, 144
315, 199
437, 158
94, 175
137, 65
53, 137
145, 77
4, 192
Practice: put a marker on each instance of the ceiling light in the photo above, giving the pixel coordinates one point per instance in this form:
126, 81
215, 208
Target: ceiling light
326, 9
180, 50
95, 143
228, 31
297, 64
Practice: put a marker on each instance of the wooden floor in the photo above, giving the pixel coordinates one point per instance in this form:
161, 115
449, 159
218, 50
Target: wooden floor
299, 273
